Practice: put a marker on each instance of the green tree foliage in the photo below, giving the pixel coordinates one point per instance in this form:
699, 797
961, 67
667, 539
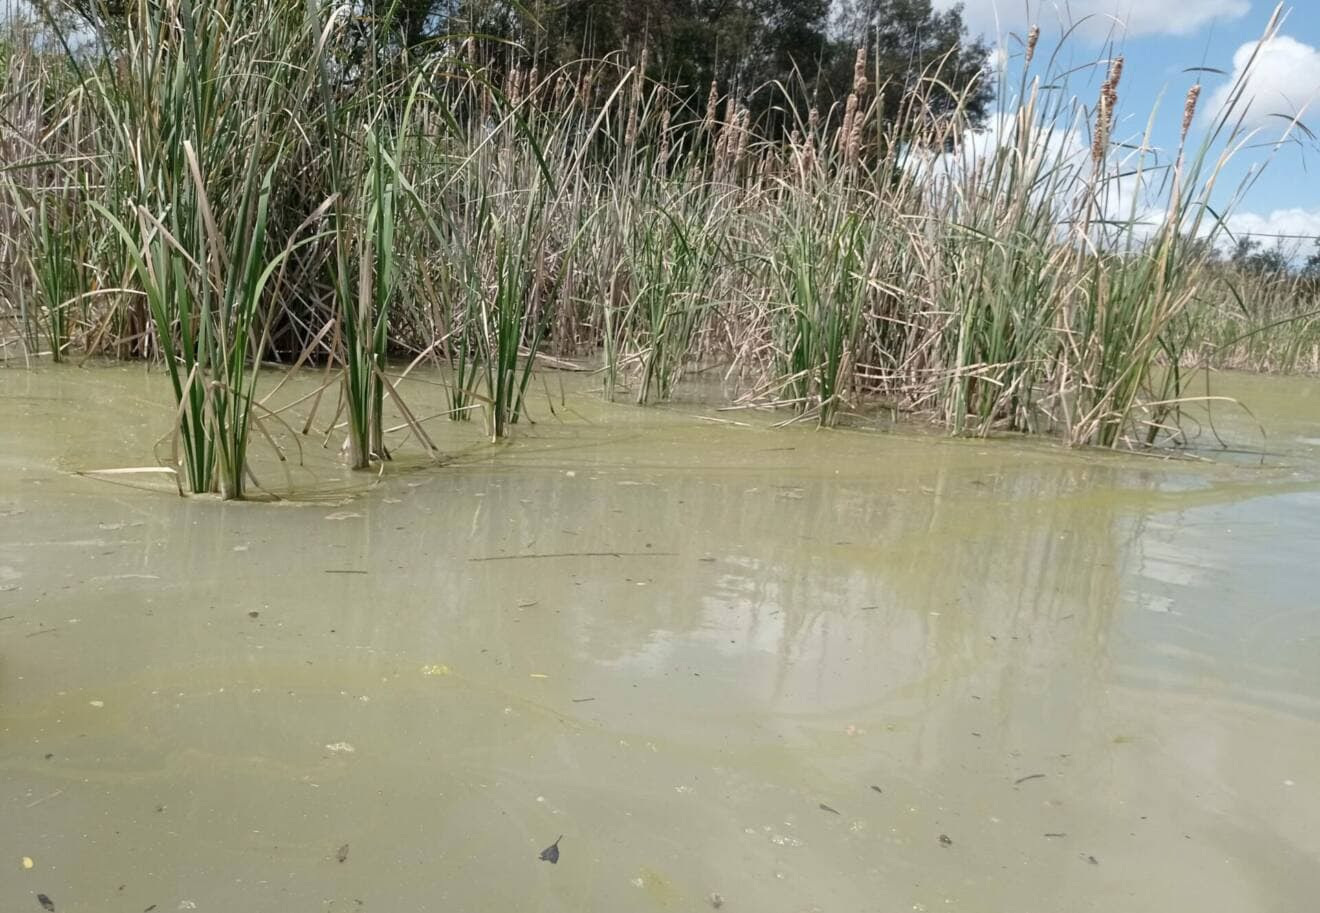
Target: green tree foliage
771, 54
1311, 268
1251, 256
915, 49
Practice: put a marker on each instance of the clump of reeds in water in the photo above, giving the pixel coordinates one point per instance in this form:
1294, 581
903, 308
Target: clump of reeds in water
474, 210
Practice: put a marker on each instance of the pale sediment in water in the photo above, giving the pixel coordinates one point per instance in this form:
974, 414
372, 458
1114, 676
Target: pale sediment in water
671, 641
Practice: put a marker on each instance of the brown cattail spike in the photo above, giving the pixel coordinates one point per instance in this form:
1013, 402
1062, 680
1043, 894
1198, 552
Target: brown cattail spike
1189, 108
743, 126
1033, 36
846, 129
859, 72
1104, 119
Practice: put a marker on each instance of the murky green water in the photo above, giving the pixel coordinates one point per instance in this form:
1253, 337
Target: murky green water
801, 671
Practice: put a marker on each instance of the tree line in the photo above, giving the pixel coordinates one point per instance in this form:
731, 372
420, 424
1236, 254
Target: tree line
778, 57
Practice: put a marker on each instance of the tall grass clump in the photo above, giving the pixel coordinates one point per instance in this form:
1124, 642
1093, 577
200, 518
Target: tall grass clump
194, 111
360, 136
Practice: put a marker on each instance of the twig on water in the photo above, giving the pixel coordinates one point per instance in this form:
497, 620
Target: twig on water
577, 555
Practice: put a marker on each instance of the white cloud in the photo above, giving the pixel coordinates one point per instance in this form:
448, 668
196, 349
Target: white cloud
1124, 18
1301, 222
1284, 79
1129, 191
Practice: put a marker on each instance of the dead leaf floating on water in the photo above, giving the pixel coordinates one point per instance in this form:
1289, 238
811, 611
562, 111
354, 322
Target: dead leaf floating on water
46, 903
342, 854
27, 862
945, 841
551, 853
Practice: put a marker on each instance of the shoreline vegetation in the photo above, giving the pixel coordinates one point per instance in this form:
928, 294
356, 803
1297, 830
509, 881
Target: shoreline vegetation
229, 184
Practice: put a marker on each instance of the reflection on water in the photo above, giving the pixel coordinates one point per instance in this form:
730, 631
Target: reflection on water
671, 641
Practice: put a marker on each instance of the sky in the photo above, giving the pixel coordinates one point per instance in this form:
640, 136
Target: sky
1160, 40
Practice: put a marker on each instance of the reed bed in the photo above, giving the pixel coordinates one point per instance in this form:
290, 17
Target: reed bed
217, 186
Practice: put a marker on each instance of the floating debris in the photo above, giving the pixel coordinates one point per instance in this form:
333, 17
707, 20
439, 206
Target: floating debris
35, 802
551, 853
1020, 780
716, 900
945, 841
46, 903
437, 669
826, 808
340, 746
878, 789
1092, 860
342, 854
1056, 834
27, 862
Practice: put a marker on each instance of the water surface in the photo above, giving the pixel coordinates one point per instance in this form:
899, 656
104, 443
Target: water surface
1017, 677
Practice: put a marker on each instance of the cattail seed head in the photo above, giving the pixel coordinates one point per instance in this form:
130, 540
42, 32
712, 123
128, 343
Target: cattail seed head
712, 103
854, 149
1189, 108
1033, 36
846, 128
1103, 118
584, 88
513, 85
662, 158
743, 126
639, 78
859, 72
1115, 72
